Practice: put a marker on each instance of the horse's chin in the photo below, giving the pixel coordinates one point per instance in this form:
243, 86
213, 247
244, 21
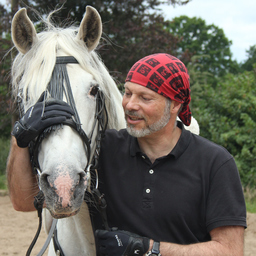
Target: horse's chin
58, 211
66, 206
63, 215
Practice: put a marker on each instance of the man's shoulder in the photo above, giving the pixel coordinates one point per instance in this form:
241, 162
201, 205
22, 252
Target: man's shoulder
206, 142
206, 147
197, 143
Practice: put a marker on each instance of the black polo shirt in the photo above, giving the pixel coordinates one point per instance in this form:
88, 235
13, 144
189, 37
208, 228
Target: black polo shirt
179, 198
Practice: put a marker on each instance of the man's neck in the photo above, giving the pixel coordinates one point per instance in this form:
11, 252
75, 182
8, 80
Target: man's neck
160, 143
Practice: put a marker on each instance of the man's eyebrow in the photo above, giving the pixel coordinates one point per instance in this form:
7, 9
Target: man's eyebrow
126, 87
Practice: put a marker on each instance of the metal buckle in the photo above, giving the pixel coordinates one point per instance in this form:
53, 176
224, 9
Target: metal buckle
155, 250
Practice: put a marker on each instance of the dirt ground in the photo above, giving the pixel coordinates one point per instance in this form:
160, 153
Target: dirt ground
18, 229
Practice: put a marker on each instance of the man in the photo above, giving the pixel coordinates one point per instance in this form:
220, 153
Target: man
169, 192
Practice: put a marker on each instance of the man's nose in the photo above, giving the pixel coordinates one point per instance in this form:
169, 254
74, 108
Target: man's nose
132, 103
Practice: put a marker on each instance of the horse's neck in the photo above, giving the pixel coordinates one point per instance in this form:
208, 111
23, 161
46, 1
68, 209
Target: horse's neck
75, 234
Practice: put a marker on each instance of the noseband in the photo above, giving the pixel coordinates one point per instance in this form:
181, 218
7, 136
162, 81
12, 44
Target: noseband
56, 89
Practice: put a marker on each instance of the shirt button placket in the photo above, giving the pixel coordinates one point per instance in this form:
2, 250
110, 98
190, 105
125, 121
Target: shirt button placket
151, 171
147, 191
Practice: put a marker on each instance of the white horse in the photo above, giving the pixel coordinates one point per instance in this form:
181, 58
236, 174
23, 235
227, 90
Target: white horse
62, 155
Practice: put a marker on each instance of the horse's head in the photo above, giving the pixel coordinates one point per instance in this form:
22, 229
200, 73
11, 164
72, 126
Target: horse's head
63, 153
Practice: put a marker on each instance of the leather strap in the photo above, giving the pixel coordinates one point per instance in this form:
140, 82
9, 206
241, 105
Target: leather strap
56, 244
49, 237
155, 250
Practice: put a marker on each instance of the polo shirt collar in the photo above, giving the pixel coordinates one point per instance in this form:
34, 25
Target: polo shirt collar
177, 151
183, 141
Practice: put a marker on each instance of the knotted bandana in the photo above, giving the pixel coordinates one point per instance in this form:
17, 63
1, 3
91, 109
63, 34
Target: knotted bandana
165, 75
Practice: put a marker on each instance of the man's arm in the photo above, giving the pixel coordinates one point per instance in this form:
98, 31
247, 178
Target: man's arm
225, 241
22, 182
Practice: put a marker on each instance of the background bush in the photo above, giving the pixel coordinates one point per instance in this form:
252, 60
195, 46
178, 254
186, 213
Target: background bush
4, 150
227, 115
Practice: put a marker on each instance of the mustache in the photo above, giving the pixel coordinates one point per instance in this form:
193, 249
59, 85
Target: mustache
133, 113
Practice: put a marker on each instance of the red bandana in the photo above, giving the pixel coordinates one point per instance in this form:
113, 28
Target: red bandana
165, 75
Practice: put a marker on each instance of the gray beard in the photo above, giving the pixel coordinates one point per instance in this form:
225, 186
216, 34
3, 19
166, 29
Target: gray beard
149, 129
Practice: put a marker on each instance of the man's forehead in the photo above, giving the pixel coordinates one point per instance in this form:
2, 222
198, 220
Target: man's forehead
139, 88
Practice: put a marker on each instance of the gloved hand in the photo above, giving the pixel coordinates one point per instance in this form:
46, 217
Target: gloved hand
38, 117
120, 243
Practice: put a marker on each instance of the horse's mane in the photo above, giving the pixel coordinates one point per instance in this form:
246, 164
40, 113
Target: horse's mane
31, 72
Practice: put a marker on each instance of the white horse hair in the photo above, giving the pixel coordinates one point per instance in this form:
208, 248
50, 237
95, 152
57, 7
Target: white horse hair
62, 155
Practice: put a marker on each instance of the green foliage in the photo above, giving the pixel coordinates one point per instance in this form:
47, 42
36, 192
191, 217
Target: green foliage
250, 199
5, 64
251, 55
4, 150
251, 206
208, 42
227, 116
196, 76
3, 182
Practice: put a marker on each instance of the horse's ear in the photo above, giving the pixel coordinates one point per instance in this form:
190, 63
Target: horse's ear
23, 31
90, 29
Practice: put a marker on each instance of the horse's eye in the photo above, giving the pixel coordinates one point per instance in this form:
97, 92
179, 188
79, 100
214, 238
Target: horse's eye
94, 89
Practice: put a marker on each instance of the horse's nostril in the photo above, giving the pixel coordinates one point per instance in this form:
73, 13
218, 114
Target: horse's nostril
82, 177
44, 180
44, 176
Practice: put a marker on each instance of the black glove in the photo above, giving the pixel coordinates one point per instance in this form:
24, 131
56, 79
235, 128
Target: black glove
120, 243
40, 116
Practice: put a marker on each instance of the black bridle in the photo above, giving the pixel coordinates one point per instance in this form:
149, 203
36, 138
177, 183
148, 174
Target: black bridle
100, 124
56, 89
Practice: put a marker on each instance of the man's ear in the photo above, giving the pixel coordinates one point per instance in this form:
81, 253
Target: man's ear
175, 107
